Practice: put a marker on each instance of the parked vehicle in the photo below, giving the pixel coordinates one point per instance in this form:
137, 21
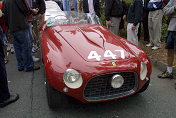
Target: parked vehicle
84, 60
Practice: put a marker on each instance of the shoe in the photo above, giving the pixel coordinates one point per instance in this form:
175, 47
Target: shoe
8, 47
34, 68
149, 45
5, 61
13, 98
155, 48
35, 48
12, 50
35, 59
165, 75
20, 69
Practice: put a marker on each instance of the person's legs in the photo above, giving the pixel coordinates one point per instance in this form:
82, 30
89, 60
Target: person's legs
10, 47
171, 47
80, 5
157, 24
30, 31
5, 97
132, 34
22, 44
150, 27
68, 5
64, 4
4, 91
170, 57
139, 31
146, 31
115, 22
5, 54
17, 45
75, 5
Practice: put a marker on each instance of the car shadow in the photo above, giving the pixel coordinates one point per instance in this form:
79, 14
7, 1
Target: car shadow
110, 109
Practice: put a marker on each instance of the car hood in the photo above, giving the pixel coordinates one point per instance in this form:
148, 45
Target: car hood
94, 42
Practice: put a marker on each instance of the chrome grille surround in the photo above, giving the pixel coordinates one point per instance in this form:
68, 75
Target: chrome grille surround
99, 87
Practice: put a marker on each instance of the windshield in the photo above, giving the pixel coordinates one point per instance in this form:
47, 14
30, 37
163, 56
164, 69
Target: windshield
62, 17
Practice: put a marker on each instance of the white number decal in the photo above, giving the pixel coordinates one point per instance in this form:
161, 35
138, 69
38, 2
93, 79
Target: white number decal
108, 53
94, 55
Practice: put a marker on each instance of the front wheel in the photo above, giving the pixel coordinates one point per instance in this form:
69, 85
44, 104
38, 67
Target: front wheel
56, 98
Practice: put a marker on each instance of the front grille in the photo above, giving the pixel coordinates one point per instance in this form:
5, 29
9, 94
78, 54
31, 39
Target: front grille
99, 87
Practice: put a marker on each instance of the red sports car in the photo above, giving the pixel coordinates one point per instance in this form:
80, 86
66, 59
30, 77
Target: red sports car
84, 60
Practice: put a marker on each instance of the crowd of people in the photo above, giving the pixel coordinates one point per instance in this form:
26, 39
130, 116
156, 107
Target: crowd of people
21, 19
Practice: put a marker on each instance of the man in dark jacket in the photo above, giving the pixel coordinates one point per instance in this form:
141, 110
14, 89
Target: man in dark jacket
15, 14
91, 8
134, 17
114, 11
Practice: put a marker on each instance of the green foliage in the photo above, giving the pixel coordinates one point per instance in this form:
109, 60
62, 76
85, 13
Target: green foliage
128, 2
103, 20
164, 27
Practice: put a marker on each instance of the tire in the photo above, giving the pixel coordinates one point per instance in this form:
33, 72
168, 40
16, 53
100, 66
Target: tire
55, 98
144, 87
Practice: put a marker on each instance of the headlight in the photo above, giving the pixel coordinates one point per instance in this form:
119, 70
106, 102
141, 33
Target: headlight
143, 71
117, 81
72, 78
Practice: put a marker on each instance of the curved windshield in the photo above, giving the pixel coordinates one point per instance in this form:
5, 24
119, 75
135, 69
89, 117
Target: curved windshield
62, 17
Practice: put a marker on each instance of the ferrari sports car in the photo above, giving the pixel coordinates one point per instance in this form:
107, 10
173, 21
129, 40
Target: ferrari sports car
83, 60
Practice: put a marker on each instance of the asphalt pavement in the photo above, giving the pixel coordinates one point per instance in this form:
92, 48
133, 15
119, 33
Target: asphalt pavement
158, 101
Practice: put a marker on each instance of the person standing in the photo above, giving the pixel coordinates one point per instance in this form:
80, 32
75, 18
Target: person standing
15, 14
170, 10
134, 17
114, 11
37, 21
155, 22
92, 7
144, 22
5, 96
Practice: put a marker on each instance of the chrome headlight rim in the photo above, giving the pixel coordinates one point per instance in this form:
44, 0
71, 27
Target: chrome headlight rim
143, 71
72, 78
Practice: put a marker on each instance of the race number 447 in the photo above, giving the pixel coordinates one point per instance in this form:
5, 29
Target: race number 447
107, 53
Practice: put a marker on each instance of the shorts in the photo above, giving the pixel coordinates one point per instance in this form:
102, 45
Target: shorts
171, 40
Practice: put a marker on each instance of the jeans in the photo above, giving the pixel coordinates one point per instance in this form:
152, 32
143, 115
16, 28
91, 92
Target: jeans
66, 5
30, 32
4, 91
75, 5
22, 45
